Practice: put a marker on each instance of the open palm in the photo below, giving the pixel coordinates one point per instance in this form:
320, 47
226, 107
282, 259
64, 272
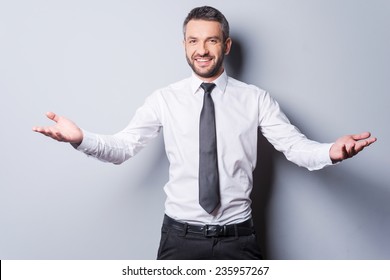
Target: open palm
63, 130
350, 145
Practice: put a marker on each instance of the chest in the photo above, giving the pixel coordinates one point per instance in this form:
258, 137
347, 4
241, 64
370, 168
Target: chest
235, 114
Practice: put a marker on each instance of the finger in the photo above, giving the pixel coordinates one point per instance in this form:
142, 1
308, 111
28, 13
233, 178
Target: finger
49, 132
52, 116
56, 136
362, 144
60, 137
351, 151
359, 147
361, 136
353, 148
371, 140
40, 129
344, 152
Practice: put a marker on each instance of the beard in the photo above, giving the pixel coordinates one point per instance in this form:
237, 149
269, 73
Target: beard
206, 73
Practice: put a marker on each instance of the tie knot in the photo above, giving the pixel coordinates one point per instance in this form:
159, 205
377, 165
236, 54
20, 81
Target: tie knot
208, 87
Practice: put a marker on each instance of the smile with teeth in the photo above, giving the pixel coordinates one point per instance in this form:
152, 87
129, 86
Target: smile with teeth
203, 60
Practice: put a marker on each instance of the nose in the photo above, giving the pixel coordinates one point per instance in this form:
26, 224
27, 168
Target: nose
202, 49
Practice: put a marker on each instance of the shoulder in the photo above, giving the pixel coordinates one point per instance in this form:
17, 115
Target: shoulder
243, 87
175, 87
171, 92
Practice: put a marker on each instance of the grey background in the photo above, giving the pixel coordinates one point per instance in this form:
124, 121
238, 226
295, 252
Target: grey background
326, 62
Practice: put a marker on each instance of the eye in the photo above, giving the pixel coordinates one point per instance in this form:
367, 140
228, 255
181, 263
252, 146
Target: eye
191, 41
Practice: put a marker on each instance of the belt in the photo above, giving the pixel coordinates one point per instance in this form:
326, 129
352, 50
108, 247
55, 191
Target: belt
240, 229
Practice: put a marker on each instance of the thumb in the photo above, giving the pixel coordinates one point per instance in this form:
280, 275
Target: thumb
52, 116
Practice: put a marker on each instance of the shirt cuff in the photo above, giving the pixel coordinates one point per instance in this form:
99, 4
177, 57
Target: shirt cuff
89, 143
325, 156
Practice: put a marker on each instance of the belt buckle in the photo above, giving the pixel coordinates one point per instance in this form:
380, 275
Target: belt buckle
214, 230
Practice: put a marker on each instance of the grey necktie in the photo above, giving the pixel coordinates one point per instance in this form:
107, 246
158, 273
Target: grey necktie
208, 163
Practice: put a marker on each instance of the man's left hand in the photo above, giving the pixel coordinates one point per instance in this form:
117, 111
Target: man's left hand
349, 145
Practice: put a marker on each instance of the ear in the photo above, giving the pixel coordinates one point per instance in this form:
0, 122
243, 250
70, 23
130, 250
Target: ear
228, 45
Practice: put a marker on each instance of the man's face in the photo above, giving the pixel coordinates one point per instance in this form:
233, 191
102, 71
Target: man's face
205, 48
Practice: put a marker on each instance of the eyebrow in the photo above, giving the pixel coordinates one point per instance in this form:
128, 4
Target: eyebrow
214, 37
208, 38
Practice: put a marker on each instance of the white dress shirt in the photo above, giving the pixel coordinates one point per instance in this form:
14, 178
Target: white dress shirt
240, 109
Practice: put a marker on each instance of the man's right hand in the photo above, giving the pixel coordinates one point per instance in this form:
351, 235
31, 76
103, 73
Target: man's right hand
63, 130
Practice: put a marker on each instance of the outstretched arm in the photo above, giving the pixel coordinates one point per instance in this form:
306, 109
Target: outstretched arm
349, 145
114, 148
63, 130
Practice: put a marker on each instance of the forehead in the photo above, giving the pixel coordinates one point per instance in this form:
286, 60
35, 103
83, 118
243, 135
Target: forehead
203, 29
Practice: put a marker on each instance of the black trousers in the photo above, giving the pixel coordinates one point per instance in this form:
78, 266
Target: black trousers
176, 244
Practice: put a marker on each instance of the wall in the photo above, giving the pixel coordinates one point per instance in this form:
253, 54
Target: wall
326, 62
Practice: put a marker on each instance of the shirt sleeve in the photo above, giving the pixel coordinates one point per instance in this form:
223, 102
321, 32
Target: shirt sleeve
287, 139
119, 147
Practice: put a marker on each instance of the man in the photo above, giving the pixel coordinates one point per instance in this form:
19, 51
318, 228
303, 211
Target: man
210, 126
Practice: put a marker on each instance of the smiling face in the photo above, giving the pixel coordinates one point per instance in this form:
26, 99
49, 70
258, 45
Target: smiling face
205, 48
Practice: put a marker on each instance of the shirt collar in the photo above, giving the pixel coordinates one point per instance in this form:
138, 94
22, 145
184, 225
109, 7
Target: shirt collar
220, 82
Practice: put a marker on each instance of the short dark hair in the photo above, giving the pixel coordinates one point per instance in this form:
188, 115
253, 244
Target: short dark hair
210, 14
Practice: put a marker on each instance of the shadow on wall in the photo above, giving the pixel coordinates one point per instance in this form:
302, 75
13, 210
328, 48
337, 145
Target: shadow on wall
235, 60
263, 180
